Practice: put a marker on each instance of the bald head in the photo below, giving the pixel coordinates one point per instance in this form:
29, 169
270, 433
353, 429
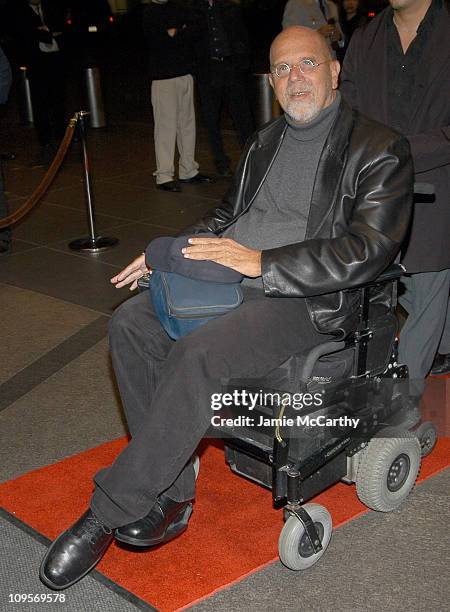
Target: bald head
300, 35
309, 79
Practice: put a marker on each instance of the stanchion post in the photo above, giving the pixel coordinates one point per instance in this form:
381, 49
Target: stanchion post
87, 175
266, 106
95, 97
93, 243
26, 104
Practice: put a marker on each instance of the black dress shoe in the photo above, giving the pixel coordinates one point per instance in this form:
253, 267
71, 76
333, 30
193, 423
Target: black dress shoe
171, 186
441, 364
198, 178
410, 416
223, 171
165, 521
75, 552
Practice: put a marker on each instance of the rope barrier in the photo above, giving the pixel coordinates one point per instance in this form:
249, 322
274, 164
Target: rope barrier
44, 185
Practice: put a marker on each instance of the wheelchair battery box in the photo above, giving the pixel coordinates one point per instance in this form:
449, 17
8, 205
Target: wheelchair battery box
326, 475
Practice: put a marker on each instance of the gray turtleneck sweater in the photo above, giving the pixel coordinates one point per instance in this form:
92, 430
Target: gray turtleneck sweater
279, 213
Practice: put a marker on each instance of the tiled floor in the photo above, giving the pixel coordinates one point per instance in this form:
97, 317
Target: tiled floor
58, 395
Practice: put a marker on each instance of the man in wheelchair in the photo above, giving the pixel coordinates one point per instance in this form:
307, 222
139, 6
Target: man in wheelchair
320, 204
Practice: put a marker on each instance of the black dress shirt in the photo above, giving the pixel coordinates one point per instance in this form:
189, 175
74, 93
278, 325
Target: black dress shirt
402, 69
218, 40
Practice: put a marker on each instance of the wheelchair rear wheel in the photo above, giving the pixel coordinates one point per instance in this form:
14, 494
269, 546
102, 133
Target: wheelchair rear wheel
294, 547
388, 469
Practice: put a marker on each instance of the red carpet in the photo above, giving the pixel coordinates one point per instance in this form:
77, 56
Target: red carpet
233, 530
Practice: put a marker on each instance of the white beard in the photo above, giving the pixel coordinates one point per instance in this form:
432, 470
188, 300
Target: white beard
302, 111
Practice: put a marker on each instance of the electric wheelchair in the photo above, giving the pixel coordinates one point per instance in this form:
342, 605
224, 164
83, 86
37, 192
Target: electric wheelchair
359, 377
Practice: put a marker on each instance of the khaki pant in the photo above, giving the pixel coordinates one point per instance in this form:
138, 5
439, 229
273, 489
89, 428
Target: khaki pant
174, 115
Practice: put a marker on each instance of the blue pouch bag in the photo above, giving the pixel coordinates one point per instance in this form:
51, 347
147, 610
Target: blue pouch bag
182, 304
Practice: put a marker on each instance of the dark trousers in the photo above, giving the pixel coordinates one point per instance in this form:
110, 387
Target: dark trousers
166, 391
223, 85
425, 299
47, 85
5, 233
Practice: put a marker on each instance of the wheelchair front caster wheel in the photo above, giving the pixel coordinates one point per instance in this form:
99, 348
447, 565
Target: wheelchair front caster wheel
294, 547
427, 435
388, 469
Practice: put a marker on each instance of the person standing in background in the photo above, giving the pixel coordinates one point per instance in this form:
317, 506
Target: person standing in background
351, 17
168, 32
396, 71
320, 15
37, 27
222, 51
5, 85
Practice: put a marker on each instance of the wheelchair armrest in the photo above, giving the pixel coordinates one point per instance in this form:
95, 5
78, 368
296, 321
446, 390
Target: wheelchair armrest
394, 272
314, 354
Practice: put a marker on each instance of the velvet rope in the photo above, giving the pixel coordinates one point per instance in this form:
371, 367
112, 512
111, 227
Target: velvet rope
44, 185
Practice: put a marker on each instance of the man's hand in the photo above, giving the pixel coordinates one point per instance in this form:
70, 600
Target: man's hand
135, 270
226, 252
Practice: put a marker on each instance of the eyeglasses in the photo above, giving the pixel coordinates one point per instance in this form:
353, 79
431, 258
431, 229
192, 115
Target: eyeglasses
306, 66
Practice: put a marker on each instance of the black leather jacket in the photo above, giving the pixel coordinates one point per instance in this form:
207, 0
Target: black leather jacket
359, 215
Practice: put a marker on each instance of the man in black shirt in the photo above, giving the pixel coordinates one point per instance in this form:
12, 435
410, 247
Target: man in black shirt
397, 71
